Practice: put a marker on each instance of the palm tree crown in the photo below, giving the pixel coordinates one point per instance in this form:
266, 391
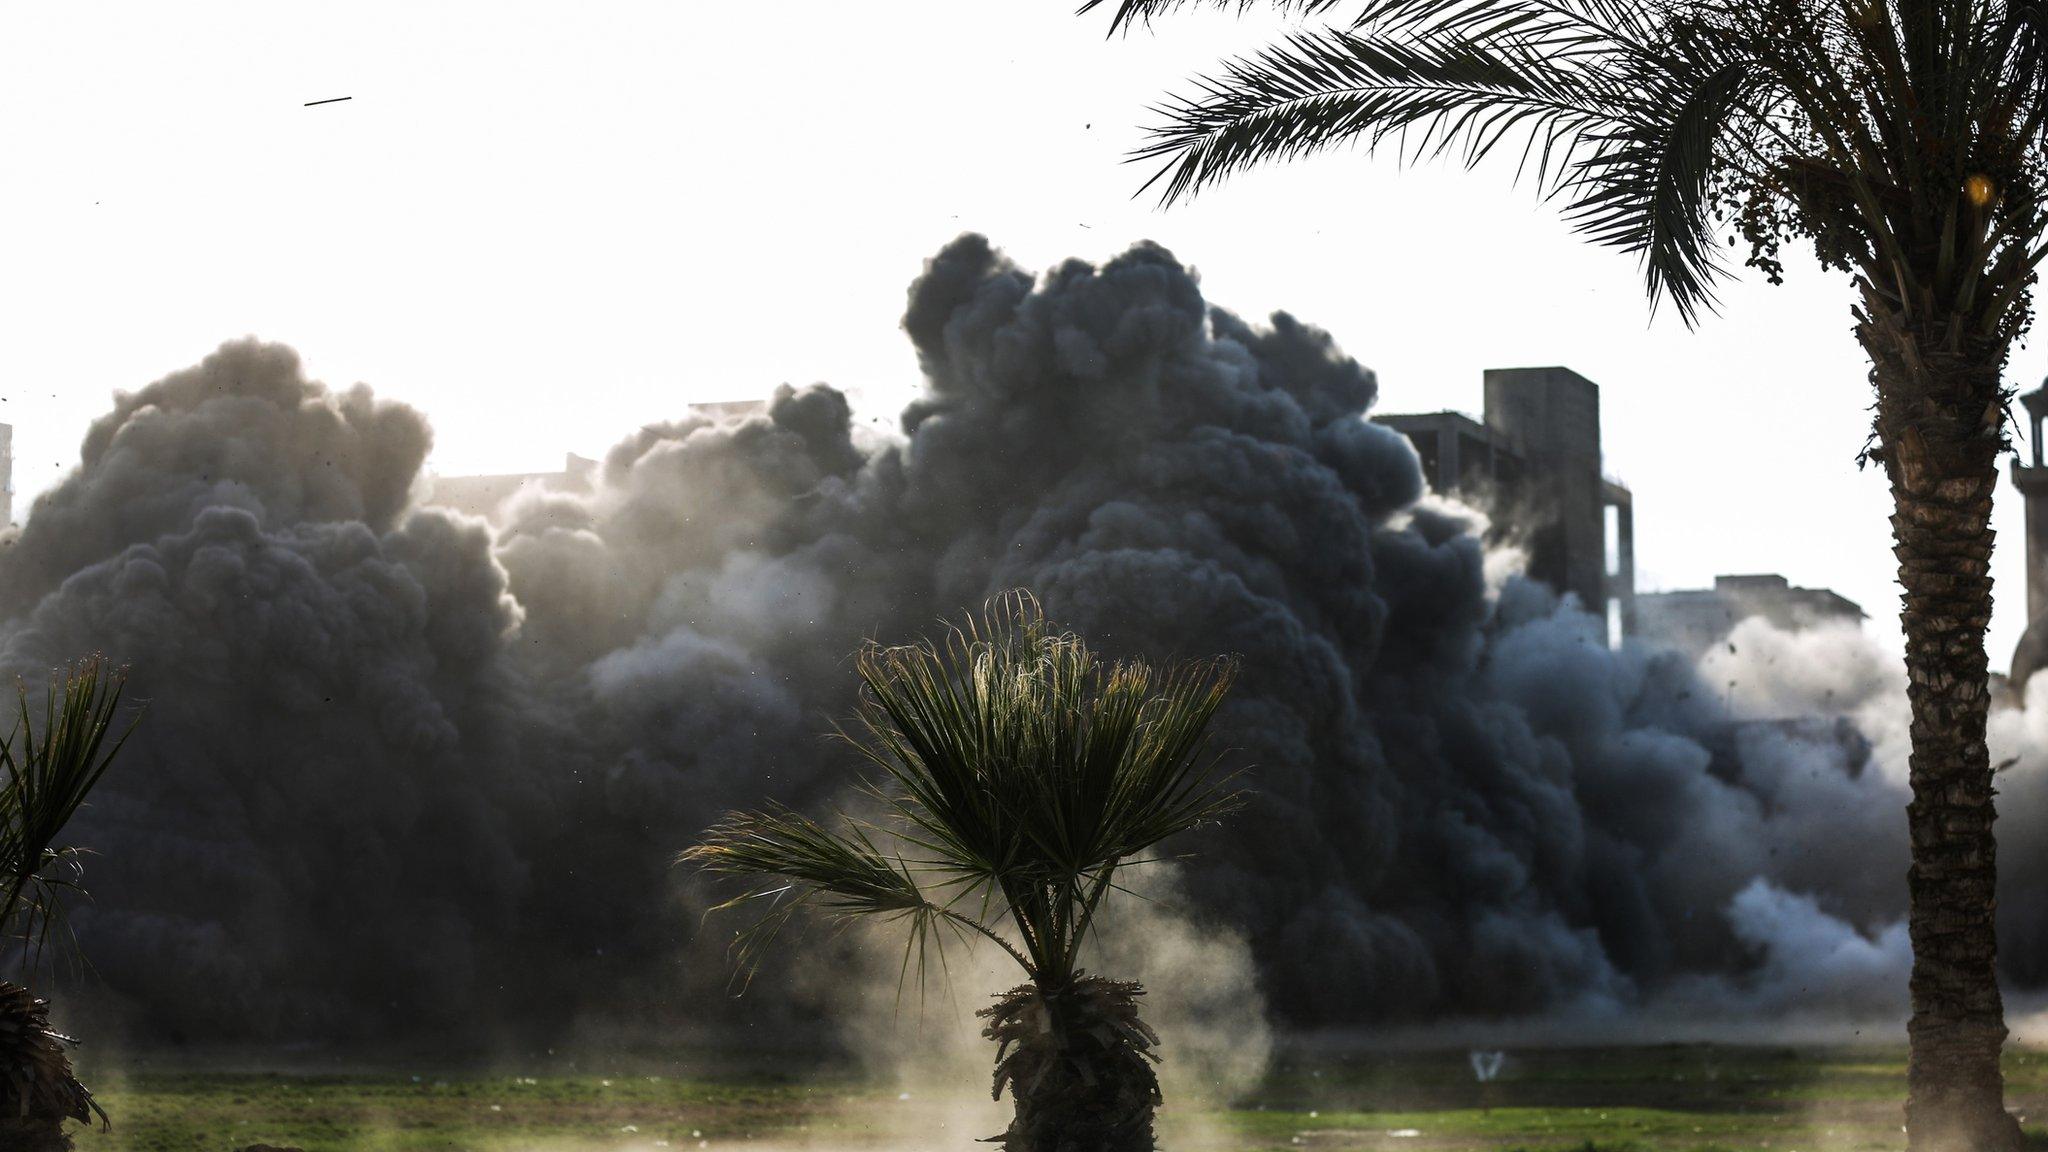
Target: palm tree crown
1019, 773
1903, 139
50, 767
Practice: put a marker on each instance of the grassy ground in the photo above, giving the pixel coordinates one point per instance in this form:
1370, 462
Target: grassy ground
1694, 1097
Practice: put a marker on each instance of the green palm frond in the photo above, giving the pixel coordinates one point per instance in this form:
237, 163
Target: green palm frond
844, 875
1321, 89
51, 767
1130, 13
1646, 189
1018, 772
1659, 123
1606, 113
1030, 770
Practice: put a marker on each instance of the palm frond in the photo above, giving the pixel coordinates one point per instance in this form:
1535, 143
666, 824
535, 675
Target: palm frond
1626, 118
1019, 772
845, 875
1130, 13
1321, 89
51, 767
1645, 189
1031, 770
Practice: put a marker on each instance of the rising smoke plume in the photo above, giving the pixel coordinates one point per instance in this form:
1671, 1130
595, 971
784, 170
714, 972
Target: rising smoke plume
404, 773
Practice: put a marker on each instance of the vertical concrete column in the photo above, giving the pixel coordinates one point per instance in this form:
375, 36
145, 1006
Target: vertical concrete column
1622, 579
2032, 481
1552, 417
2033, 485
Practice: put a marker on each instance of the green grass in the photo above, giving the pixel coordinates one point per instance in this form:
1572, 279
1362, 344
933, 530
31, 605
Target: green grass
1697, 1098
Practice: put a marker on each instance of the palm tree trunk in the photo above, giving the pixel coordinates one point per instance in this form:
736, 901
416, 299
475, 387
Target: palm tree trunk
1078, 1064
1940, 428
38, 1093
35, 1134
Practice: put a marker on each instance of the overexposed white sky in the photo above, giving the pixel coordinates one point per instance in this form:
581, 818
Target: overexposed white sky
545, 224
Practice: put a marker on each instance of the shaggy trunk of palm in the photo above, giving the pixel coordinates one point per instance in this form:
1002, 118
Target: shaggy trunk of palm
1940, 426
38, 1092
1078, 1063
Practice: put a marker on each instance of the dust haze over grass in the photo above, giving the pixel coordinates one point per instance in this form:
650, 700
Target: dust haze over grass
1202, 997
1678, 1097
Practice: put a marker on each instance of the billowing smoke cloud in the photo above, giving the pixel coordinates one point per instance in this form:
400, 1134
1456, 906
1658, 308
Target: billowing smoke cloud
325, 804
403, 769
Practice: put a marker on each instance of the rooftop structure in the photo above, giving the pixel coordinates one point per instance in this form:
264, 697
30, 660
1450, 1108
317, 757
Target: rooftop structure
2032, 481
1533, 460
486, 496
731, 407
1695, 620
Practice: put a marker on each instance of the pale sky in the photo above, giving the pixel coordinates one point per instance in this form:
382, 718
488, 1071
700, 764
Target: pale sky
547, 224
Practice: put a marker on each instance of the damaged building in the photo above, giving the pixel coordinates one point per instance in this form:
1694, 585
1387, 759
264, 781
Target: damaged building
2032, 481
487, 496
1533, 460
1695, 619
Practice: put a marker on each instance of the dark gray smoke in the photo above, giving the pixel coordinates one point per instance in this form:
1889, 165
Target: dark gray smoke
405, 773
321, 825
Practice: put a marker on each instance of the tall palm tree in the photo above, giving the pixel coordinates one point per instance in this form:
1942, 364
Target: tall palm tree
1904, 140
1018, 774
49, 767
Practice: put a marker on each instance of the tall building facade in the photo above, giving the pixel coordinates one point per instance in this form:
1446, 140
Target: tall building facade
1696, 619
2032, 481
487, 496
1533, 458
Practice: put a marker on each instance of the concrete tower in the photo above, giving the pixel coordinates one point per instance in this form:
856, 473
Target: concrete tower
1534, 460
1552, 415
2032, 481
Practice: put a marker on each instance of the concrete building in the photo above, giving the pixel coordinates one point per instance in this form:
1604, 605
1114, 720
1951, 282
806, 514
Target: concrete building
2032, 481
1533, 460
486, 496
732, 407
1694, 620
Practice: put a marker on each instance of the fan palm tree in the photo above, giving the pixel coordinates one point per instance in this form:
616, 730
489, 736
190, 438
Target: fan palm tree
50, 767
1018, 774
1904, 140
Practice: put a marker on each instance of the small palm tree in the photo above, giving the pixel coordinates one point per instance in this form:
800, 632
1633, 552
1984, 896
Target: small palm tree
50, 767
1019, 773
1907, 141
